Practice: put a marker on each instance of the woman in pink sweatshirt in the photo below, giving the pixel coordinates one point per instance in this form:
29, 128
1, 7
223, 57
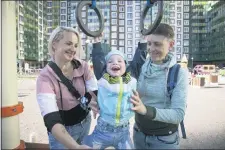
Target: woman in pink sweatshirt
66, 120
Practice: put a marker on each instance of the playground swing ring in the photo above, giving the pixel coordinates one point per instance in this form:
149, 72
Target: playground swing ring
158, 19
83, 26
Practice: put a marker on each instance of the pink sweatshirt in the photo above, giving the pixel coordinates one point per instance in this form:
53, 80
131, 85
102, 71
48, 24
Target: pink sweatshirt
48, 92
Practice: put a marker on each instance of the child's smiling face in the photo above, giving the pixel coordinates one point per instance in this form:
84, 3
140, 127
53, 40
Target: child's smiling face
116, 66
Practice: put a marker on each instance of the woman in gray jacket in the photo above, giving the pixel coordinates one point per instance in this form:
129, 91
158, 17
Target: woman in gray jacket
158, 114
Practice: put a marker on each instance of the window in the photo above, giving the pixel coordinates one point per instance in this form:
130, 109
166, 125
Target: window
178, 49
129, 56
114, 47
63, 17
179, 22
114, 14
129, 22
114, 42
129, 42
129, 36
121, 42
178, 36
63, 11
186, 22
49, 24
137, 28
49, 10
121, 2
121, 8
178, 9
178, 56
49, 17
179, 2
172, 21
137, 35
172, 14
186, 29
21, 27
113, 2
21, 36
114, 28
137, 14
114, 21
83, 14
63, 4
121, 49
40, 6
121, 29
179, 29
129, 49
137, 21
186, 8
63, 24
186, 36
186, 42
129, 29
49, 4
129, 2
121, 15
172, 7
186, 2
121, 35
179, 16
136, 42
121, 22
186, 49
186, 15
129, 9
137, 7
129, 15
114, 8
178, 43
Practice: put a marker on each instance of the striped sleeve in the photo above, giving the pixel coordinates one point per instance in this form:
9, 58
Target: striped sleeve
90, 79
46, 97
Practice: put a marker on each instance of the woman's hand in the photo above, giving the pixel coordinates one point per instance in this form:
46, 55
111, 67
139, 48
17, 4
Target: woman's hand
139, 107
98, 39
93, 104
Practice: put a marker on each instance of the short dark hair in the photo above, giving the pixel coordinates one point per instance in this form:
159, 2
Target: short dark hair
165, 30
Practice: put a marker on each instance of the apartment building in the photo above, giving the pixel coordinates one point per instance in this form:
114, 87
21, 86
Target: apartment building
207, 32
122, 21
176, 14
31, 37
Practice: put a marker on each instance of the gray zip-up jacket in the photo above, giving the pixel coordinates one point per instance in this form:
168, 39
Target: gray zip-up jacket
162, 112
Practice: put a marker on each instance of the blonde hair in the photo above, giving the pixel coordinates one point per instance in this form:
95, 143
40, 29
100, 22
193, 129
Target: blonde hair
57, 35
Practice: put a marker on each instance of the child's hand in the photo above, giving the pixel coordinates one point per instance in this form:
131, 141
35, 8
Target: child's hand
98, 39
139, 107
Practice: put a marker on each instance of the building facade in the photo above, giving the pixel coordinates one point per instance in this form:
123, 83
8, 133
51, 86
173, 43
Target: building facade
31, 37
207, 32
122, 23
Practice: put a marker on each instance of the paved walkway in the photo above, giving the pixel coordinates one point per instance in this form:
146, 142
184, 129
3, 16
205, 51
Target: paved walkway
204, 120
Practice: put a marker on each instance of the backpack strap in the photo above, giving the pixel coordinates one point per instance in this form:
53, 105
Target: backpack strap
84, 100
172, 78
64, 80
171, 84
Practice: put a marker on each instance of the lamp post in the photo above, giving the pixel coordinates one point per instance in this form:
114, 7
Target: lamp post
192, 62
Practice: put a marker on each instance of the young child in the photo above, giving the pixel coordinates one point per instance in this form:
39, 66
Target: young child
114, 91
